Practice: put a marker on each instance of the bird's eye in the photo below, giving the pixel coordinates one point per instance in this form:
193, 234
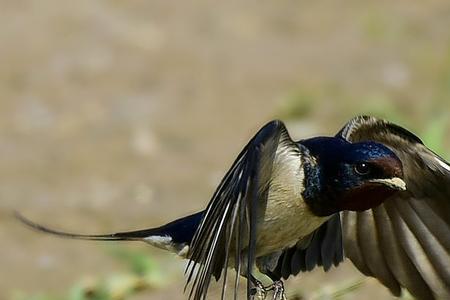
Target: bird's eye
362, 168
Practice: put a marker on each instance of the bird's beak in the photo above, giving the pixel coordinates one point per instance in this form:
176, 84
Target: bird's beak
394, 183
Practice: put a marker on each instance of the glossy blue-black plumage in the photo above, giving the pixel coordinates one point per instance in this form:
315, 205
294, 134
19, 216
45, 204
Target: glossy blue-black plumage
333, 151
181, 230
335, 173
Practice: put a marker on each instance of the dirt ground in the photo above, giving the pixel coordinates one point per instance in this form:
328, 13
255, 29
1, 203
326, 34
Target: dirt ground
118, 115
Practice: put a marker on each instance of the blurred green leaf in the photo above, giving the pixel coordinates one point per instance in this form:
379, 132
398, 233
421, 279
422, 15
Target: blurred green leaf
142, 265
434, 135
22, 296
88, 290
297, 105
145, 273
381, 106
374, 25
139, 262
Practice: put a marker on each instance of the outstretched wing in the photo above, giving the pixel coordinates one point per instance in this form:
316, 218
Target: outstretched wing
405, 242
229, 227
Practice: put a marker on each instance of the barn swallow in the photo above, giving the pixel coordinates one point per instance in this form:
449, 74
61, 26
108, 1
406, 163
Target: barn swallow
374, 193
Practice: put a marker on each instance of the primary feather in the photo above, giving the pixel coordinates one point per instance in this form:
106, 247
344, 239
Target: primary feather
409, 235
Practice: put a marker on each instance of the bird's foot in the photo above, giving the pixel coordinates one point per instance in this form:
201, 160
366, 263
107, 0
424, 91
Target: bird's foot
278, 290
258, 292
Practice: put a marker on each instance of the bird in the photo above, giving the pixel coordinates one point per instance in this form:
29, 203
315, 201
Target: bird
373, 193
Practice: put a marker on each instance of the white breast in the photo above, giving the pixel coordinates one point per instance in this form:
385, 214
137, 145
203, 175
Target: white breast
287, 217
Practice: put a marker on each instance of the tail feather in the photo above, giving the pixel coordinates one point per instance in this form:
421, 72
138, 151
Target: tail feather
118, 236
179, 231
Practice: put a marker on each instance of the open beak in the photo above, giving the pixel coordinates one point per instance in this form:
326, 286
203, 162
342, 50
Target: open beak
394, 183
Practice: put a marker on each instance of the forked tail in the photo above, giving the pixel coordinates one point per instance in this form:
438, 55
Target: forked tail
174, 236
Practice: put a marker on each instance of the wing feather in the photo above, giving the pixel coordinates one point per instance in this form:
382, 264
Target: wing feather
406, 240
398, 261
229, 226
438, 256
323, 247
415, 252
331, 248
350, 236
368, 242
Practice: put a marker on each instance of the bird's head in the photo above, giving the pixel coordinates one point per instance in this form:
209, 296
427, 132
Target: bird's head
354, 176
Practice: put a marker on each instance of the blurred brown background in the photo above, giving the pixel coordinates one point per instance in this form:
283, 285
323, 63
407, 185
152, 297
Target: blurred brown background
118, 115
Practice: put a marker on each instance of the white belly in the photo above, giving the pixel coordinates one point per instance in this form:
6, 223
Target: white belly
285, 223
287, 217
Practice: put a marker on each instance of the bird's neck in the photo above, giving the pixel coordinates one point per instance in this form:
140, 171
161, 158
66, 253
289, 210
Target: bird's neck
319, 194
313, 195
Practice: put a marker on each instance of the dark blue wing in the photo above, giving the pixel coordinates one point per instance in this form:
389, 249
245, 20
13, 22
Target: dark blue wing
229, 225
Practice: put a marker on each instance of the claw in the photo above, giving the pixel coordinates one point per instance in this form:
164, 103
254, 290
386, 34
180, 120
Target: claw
278, 290
259, 292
